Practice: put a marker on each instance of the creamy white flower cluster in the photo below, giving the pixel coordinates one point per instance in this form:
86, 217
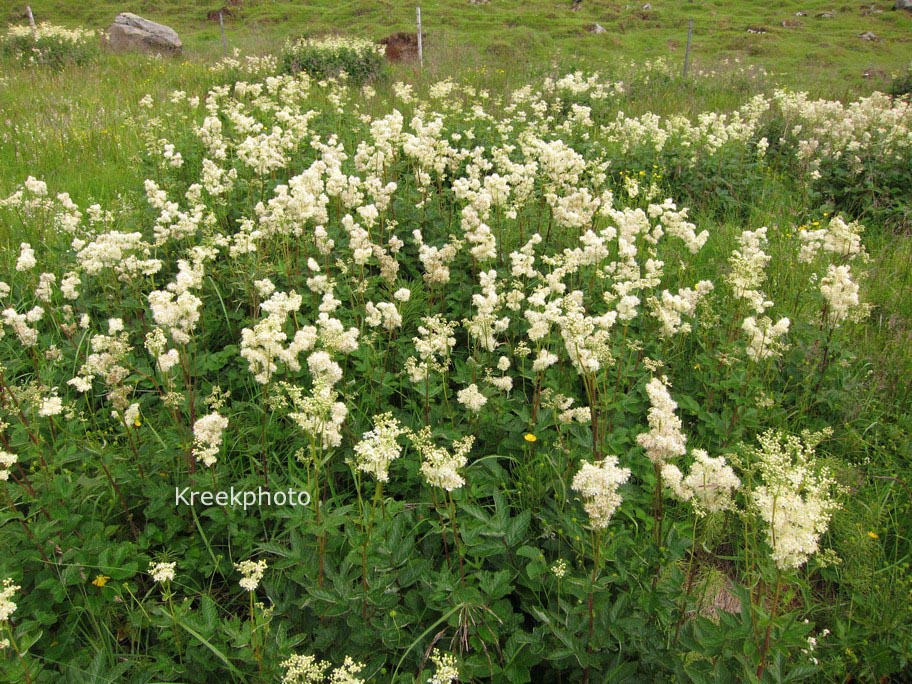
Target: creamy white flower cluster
485, 325
162, 572
748, 269
827, 130
21, 324
44, 30
207, 437
664, 439
709, 133
796, 497
764, 338
472, 398
263, 345
840, 292
127, 254
446, 671
378, 448
252, 573
563, 406
7, 607
109, 361
250, 65
433, 345
598, 485
305, 669
319, 414
7, 461
838, 238
439, 466
708, 485
670, 308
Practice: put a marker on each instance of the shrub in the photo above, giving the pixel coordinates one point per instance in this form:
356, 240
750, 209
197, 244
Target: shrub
49, 45
360, 59
901, 85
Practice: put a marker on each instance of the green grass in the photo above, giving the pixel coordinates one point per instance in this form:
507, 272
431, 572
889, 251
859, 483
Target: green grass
822, 54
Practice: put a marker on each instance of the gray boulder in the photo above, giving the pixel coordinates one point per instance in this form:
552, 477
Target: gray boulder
130, 32
902, 4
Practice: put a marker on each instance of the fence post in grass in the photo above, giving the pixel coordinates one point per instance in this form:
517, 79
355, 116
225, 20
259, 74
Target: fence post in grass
690, 30
224, 41
420, 47
28, 11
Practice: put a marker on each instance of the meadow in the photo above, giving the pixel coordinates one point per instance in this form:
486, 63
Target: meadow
535, 364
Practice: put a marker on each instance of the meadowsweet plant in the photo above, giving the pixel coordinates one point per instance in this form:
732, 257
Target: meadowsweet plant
19, 647
252, 573
709, 484
494, 306
598, 486
446, 670
207, 437
163, 572
356, 59
49, 45
379, 447
796, 499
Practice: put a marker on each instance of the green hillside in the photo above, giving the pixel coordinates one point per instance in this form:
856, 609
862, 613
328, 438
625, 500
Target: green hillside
517, 34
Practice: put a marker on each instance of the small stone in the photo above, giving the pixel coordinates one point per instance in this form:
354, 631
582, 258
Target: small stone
868, 35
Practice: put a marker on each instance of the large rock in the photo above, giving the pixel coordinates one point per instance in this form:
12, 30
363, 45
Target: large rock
903, 4
132, 33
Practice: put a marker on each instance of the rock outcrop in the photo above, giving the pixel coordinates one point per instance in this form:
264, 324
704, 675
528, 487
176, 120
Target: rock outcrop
130, 32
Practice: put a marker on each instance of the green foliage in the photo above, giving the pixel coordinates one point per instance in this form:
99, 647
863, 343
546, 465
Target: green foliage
901, 85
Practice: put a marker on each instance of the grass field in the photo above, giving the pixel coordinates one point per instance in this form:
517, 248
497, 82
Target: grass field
583, 378
810, 52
